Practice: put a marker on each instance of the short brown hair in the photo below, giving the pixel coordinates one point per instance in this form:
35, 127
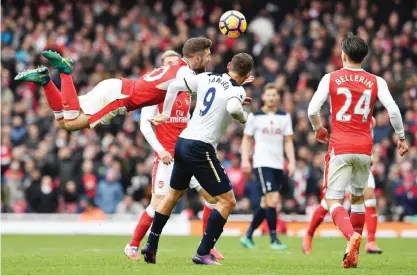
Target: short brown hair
195, 45
241, 64
270, 86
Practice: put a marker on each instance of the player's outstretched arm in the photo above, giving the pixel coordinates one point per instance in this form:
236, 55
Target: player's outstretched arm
394, 114
247, 142
314, 108
146, 128
188, 83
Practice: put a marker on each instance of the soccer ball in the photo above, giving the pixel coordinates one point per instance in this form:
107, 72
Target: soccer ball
232, 24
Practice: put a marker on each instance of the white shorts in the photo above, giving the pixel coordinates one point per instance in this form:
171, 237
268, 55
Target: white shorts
101, 102
161, 178
371, 181
346, 170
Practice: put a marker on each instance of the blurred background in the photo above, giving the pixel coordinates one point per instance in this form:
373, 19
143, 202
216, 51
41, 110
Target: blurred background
294, 43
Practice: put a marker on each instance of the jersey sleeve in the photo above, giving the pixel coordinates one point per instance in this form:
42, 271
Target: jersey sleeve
149, 112
288, 127
239, 93
386, 99
184, 72
250, 126
320, 96
189, 83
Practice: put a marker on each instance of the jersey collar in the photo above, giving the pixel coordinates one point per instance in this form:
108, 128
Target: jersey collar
353, 69
232, 81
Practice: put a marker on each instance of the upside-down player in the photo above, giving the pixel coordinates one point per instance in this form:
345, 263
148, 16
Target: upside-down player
162, 141
112, 97
371, 217
353, 93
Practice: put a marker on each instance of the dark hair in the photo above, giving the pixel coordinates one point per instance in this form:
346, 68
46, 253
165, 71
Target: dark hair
195, 45
270, 86
241, 64
355, 48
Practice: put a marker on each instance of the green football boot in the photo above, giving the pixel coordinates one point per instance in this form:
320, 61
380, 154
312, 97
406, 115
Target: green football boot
278, 246
248, 243
39, 75
63, 65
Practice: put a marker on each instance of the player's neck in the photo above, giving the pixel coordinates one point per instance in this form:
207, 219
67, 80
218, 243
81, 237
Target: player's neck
352, 65
267, 109
235, 77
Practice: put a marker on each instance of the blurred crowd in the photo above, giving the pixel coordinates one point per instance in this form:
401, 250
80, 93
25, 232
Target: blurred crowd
294, 43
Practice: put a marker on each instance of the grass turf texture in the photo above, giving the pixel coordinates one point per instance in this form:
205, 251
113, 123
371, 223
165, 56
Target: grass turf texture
104, 255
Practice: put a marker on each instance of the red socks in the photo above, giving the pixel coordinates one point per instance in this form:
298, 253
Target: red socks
142, 227
316, 220
206, 213
371, 219
53, 96
70, 100
341, 219
357, 217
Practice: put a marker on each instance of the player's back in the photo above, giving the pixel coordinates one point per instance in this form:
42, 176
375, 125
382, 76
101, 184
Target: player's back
353, 93
151, 88
211, 118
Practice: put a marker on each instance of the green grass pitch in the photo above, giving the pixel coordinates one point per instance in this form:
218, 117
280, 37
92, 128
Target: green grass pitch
104, 255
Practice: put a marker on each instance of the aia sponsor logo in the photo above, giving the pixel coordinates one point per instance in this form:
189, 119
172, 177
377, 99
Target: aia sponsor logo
271, 131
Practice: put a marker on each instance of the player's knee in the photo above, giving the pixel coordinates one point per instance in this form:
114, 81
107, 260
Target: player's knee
227, 201
272, 199
369, 193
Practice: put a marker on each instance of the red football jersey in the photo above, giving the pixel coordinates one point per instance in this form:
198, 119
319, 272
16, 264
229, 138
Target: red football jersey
168, 133
151, 88
353, 94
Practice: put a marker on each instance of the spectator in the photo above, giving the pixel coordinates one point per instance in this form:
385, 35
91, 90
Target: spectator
89, 211
128, 206
109, 193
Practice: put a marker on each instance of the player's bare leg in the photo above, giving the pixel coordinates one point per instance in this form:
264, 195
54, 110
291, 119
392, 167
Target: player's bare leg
53, 96
272, 200
371, 221
209, 205
74, 119
317, 218
341, 219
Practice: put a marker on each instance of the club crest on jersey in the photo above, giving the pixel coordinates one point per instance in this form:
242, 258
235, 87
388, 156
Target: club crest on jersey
179, 103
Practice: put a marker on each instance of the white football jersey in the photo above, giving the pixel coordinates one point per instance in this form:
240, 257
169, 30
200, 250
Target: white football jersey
269, 131
211, 118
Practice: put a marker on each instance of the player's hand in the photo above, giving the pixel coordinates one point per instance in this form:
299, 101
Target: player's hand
322, 135
247, 101
158, 119
246, 167
291, 169
166, 157
402, 147
250, 79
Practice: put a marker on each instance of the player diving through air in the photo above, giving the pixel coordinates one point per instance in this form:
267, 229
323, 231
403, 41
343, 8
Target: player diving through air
353, 93
113, 97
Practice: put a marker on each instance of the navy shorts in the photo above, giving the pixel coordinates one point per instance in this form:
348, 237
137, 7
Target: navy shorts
271, 180
196, 158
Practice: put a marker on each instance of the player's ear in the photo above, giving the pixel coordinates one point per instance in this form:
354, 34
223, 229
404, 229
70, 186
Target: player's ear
229, 65
247, 75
